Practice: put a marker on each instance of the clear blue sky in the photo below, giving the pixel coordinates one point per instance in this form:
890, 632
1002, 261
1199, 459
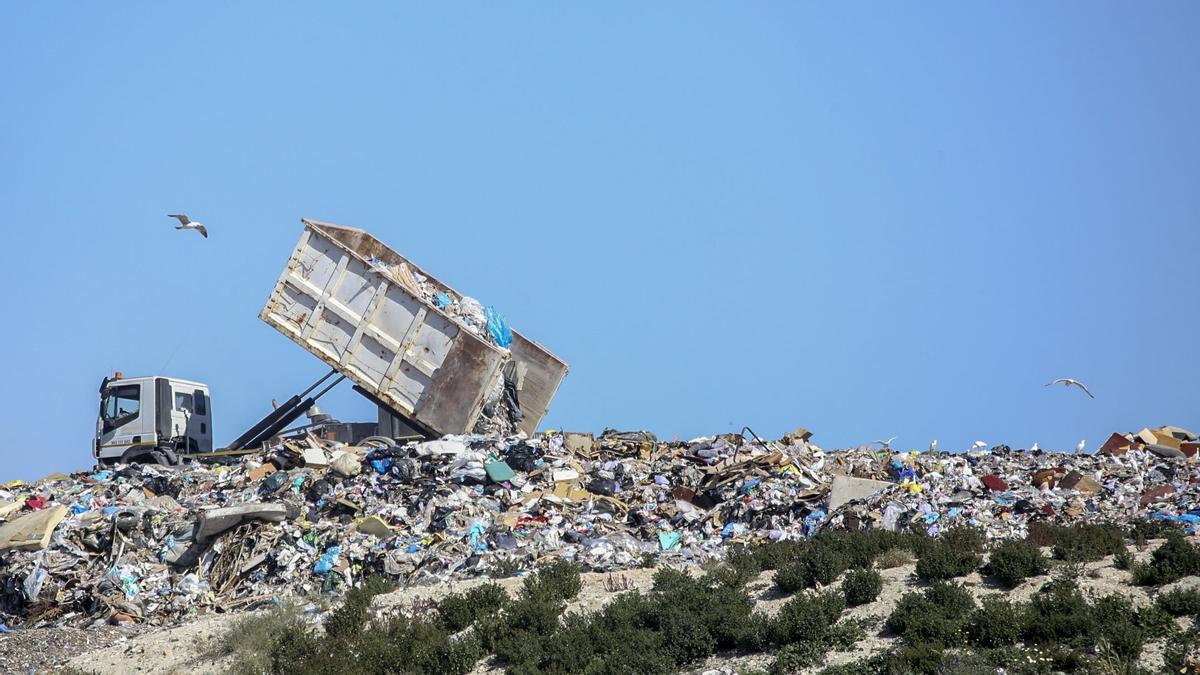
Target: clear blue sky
870, 220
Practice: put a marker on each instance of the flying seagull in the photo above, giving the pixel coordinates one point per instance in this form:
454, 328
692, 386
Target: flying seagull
186, 224
1068, 382
885, 444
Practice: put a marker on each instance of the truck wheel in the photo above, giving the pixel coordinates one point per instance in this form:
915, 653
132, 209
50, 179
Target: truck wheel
165, 457
383, 441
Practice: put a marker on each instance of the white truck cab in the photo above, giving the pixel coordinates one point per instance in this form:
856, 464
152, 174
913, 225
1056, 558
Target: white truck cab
152, 419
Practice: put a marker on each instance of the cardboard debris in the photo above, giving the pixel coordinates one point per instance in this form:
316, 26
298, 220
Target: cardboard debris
31, 532
845, 489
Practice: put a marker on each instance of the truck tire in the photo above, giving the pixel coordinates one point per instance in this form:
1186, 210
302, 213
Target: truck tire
383, 441
165, 457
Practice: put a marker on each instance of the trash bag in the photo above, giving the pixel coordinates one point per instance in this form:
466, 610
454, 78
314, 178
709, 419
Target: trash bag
327, 560
603, 486
498, 327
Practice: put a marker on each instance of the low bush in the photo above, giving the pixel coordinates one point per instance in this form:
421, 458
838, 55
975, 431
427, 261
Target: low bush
459, 610
739, 569
997, 623
1156, 622
1014, 561
938, 615
1087, 542
807, 617
946, 560
815, 565
348, 620
1180, 601
1123, 559
1143, 530
1174, 559
558, 580
861, 586
775, 554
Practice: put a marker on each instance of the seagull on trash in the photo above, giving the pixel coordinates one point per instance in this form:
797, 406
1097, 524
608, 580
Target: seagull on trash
185, 223
978, 445
885, 444
1069, 382
933, 445
1034, 447
1079, 448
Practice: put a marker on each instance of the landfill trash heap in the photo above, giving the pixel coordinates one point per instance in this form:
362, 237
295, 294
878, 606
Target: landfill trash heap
144, 543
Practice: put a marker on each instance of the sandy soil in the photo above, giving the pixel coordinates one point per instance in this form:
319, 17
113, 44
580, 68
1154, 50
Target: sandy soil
180, 649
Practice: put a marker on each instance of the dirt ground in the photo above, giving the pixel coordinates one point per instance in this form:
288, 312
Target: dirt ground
181, 649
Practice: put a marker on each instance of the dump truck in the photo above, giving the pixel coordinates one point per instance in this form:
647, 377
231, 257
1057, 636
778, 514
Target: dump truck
408, 342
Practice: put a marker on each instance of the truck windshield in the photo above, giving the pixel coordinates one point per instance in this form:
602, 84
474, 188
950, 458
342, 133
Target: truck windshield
121, 402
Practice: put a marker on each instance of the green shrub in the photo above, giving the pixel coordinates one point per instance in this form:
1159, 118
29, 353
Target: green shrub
860, 548
1014, 561
348, 620
1123, 559
937, 616
250, 640
807, 617
1156, 622
914, 658
459, 610
1143, 530
739, 569
1175, 559
997, 623
964, 537
1087, 542
861, 586
775, 554
1177, 649
815, 565
1180, 601
558, 580
1058, 613
946, 560
847, 633
796, 657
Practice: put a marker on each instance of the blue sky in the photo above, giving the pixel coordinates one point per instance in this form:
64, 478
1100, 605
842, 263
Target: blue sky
868, 220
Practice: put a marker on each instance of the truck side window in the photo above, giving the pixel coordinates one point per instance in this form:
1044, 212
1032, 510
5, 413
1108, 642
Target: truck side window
183, 402
201, 402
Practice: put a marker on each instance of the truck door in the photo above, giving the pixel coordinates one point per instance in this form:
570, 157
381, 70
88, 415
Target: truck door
190, 417
126, 419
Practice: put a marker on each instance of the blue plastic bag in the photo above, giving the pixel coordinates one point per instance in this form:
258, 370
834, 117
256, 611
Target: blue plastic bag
442, 300
327, 560
498, 327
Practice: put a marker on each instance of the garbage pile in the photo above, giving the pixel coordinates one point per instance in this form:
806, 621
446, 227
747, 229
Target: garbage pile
486, 322
143, 543
1151, 474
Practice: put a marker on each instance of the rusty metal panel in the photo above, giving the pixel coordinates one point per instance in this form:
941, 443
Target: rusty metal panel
335, 300
541, 374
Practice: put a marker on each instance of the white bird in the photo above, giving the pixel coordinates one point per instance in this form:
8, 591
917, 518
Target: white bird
185, 223
933, 445
1079, 448
1069, 382
885, 444
1034, 447
978, 445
